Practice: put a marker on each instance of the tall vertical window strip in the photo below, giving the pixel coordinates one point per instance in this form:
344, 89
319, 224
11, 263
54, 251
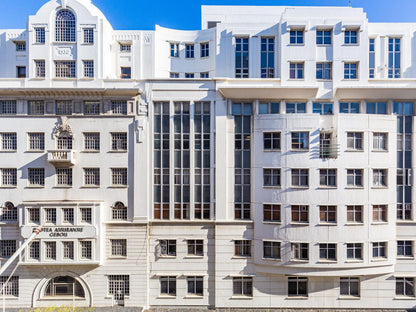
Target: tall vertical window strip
161, 160
181, 125
40, 68
88, 69
394, 58
202, 128
241, 57
40, 35
65, 27
267, 57
242, 149
372, 58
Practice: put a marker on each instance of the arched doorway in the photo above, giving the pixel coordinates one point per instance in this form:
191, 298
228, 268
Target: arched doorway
64, 287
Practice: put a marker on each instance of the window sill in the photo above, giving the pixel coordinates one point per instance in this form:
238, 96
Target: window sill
324, 187
117, 257
379, 223
349, 298
117, 186
299, 187
299, 150
351, 187
63, 42
90, 187
272, 187
35, 151
38, 78
62, 187
354, 261
299, 261
64, 79
35, 187
166, 297
194, 297
296, 45
355, 150
299, 223
273, 223
119, 151
327, 261
404, 298
380, 187
272, 150
87, 78
296, 79
8, 187
379, 260
87, 44
354, 223
380, 151
166, 257
405, 222
324, 45
90, 152
405, 258
297, 298
272, 259
193, 257
241, 297
327, 224
5, 151
241, 257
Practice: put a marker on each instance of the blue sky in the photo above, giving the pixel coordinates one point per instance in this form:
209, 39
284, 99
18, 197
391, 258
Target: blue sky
185, 14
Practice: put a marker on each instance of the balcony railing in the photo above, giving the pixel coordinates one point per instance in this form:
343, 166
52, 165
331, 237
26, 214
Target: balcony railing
328, 150
61, 157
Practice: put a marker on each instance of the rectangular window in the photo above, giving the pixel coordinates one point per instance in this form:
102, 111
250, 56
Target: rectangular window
300, 140
351, 37
68, 250
349, 108
299, 251
371, 58
125, 47
174, 49
405, 248
63, 107
394, 58
271, 250
195, 247
64, 176
379, 108
269, 108
174, 75
267, 57
328, 214
119, 141
88, 35
300, 213
295, 108
271, 177
202, 75
8, 141
195, 285
88, 69
92, 108
189, 51
204, 49
296, 37
92, 176
86, 215
271, 141
324, 70
40, 71
34, 250
322, 108
8, 177
68, 215
328, 252
189, 75
125, 73
36, 177
119, 176
404, 212
119, 107
323, 37
119, 286
33, 215
168, 285
354, 214
241, 57
50, 250
12, 287
64, 142
36, 108
86, 249
8, 107
7, 248
167, 247
328, 177
242, 248
21, 71
355, 177
297, 287
349, 286
40, 35
92, 141
380, 141
350, 70
296, 70
380, 177
50, 215
354, 251
405, 286
20, 46
271, 213
379, 213
300, 177
243, 286
118, 247
355, 141
380, 250
65, 69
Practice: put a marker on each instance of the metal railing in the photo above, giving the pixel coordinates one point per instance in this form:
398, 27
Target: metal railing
328, 150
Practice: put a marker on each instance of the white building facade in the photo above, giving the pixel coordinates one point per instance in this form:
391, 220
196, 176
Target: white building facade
264, 161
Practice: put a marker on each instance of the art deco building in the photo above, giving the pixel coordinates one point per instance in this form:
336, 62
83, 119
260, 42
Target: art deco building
264, 161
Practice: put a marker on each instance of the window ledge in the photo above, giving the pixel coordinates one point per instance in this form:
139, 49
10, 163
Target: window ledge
241, 297
166, 297
299, 187
117, 257
354, 261
405, 258
166, 257
405, 222
39, 78
6, 151
35, 187
379, 223
296, 79
194, 296
350, 44
351, 187
355, 150
299, 150
272, 259
299, 223
351, 79
299, 261
35, 151
119, 151
272, 150
378, 259
327, 261
274, 223
404, 298
91, 152
193, 257
324, 45
354, 223
297, 298
64, 79
324, 187
8, 187
380, 187
272, 187
296, 45
62, 187
117, 186
87, 78
90, 187
327, 224
380, 151
349, 298
241, 257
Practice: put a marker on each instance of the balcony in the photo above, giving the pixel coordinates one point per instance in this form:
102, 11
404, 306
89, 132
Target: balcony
328, 150
61, 158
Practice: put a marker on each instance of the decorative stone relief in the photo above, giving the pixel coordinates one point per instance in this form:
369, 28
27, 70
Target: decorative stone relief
62, 126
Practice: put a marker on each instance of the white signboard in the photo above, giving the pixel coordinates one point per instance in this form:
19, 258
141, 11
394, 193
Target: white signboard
61, 232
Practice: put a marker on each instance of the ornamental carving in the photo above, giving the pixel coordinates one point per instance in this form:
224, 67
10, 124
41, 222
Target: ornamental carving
63, 126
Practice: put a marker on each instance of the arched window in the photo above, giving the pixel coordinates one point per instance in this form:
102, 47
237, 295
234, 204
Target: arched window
64, 141
9, 212
65, 27
64, 286
119, 211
